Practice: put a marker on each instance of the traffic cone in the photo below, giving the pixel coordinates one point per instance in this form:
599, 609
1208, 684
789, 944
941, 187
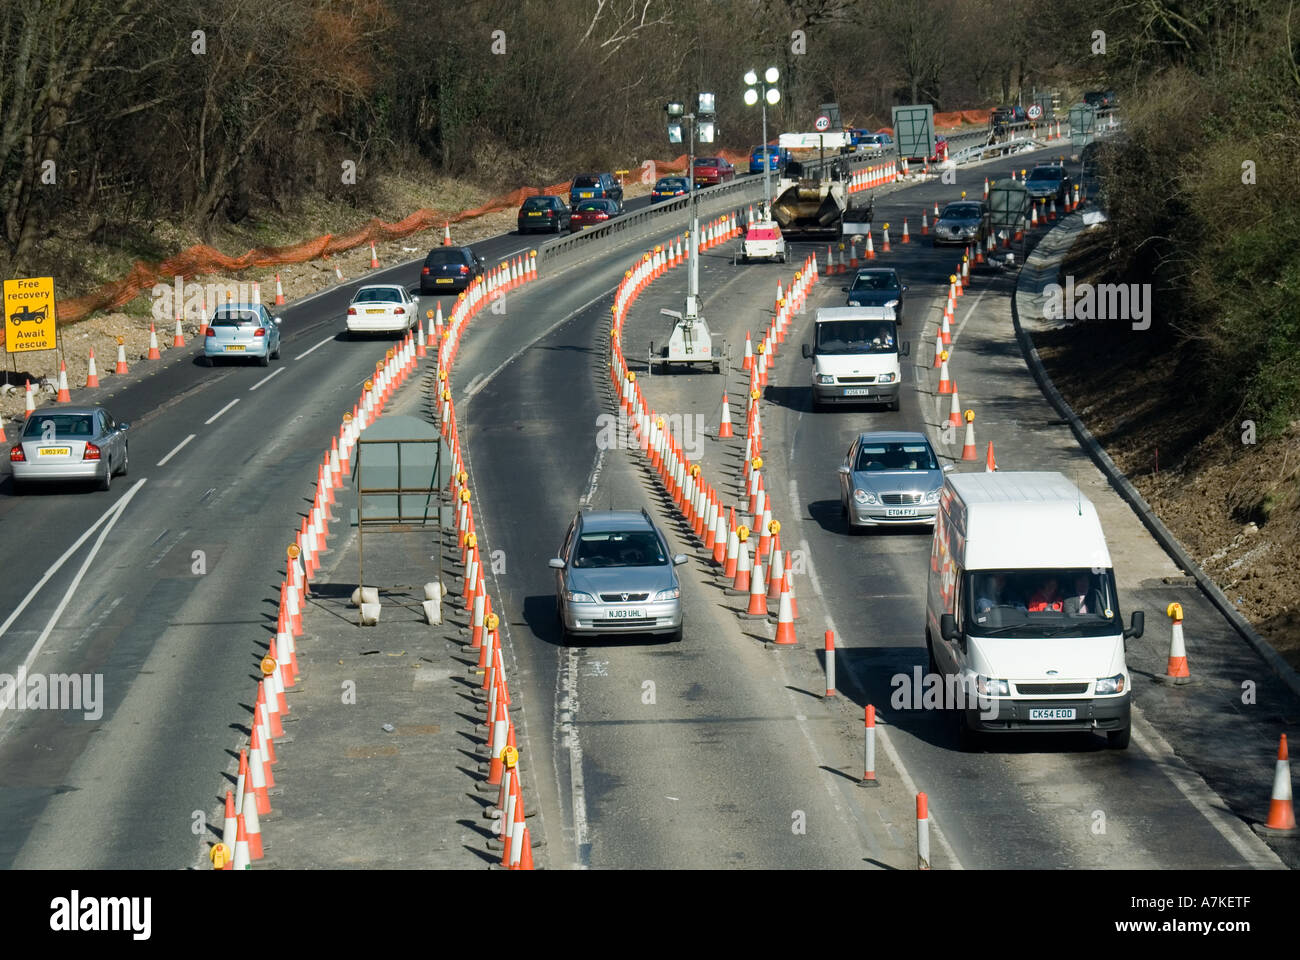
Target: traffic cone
279, 291
869, 253
230, 828
776, 575
338, 273
954, 414
884, 239
154, 354
968, 449
446, 234
740, 582
945, 382
526, 851
92, 375
243, 856
785, 621
990, 465
1176, 672
906, 238
724, 428
1281, 814
64, 395
252, 825
374, 257
938, 349
29, 402
925, 226
757, 591
1033, 217
1051, 210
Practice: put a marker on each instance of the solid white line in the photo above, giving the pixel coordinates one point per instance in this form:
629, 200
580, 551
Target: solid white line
176, 450
882, 733
956, 334
317, 347
274, 373
210, 419
570, 739
112, 516
472, 387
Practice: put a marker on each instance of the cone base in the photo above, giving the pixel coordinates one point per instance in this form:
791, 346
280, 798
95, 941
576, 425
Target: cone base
1171, 680
746, 615
1264, 830
873, 782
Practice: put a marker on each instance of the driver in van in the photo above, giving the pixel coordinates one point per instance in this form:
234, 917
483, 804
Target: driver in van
884, 336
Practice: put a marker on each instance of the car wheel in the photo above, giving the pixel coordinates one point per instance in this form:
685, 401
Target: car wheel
1118, 739
106, 481
126, 461
264, 360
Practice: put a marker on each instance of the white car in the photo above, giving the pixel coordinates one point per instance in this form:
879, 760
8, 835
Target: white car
382, 308
763, 241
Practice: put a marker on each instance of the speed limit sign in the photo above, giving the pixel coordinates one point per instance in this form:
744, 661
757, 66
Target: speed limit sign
1035, 112
822, 124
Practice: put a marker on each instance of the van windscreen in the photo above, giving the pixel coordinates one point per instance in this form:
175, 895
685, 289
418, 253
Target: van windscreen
1041, 603
856, 336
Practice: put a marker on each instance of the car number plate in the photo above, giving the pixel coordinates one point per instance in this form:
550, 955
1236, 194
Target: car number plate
444, 280
234, 347
379, 310
626, 614
55, 452
857, 392
901, 512
586, 195
1051, 713
534, 213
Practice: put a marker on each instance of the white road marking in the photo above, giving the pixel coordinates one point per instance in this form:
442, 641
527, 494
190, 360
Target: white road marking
112, 516
882, 733
962, 323
473, 386
1199, 794
211, 419
317, 347
176, 449
569, 738
274, 373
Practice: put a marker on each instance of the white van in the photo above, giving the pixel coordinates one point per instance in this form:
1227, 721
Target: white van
1022, 611
855, 353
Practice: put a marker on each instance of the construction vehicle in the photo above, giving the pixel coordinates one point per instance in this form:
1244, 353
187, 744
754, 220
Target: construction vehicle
808, 207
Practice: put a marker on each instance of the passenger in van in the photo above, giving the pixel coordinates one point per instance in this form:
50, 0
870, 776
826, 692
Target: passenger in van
1046, 598
1077, 601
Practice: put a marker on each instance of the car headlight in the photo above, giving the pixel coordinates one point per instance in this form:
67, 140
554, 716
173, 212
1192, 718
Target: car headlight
987, 687
864, 496
824, 378
577, 596
854, 303
672, 594
970, 231
1107, 685
932, 496
885, 378
892, 303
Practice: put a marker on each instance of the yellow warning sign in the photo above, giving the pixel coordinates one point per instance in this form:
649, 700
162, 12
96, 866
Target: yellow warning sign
29, 314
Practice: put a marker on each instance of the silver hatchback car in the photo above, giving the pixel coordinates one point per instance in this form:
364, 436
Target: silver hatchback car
889, 478
615, 574
72, 443
239, 330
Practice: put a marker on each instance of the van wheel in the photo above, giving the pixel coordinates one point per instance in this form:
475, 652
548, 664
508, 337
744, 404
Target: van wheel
968, 741
1118, 739
895, 403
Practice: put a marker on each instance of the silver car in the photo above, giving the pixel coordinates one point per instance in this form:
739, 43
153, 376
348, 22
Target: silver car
72, 443
890, 478
239, 330
615, 574
964, 221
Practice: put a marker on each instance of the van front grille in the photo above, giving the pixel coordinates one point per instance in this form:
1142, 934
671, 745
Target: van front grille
857, 379
1050, 689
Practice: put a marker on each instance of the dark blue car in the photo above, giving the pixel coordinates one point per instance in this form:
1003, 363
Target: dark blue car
776, 158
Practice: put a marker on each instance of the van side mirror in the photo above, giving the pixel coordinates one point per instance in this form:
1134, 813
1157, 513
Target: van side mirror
1138, 624
807, 352
948, 628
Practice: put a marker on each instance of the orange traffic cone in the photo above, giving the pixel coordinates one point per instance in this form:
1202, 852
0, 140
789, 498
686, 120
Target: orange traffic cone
724, 428
740, 581
374, 257
230, 828
785, 621
243, 855
1281, 814
154, 354
178, 340
954, 412
945, 382
64, 396
968, 449
279, 291
29, 402
925, 226
906, 238
757, 592
776, 575
870, 253
990, 465
938, 349
92, 374
446, 234
1176, 672
884, 241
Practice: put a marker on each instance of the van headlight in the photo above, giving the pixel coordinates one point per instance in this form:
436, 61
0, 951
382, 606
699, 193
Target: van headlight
576, 596
864, 496
988, 687
672, 594
1107, 685
886, 378
825, 378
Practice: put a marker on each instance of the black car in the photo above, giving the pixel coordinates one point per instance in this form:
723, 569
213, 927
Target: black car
877, 287
448, 269
595, 186
1100, 99
546, 214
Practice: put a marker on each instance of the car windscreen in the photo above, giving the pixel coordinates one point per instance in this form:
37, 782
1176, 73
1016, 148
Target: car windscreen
875, 281
1067, 602
961, 211
901, 455
442, 258
65, 425
856, 336
674, 183
586, 181
537, 203
635, 548
1045, 173
234, 319
377, 295
592, 206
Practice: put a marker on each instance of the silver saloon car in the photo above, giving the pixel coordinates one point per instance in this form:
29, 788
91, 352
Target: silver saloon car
963, 221
890, 478
615, 574
239, 330
72, 443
